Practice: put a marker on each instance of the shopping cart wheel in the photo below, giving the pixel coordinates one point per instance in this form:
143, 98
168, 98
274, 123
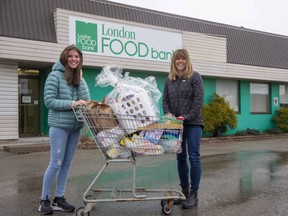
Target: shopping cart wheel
80, 212
88, 196
163, 202
167, 206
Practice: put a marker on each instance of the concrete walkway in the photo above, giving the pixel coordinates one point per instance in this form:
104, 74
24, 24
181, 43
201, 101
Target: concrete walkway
25, 145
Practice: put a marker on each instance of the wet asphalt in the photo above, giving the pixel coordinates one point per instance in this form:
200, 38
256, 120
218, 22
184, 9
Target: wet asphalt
239, 178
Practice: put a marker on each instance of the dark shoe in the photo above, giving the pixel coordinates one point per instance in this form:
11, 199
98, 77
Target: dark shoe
185, 191
45, 207
192, 200
60, 204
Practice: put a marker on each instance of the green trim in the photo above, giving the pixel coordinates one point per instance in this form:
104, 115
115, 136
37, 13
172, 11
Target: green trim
44, 111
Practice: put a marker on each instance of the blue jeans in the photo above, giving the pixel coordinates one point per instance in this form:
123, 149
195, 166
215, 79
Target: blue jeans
192, 135
63, 145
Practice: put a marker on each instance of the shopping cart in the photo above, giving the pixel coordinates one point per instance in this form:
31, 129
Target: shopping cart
121, 139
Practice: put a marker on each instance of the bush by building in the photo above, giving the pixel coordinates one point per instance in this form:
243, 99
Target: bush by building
218, 116
281, 119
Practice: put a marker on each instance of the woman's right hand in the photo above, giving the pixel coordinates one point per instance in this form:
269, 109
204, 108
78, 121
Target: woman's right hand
180, 118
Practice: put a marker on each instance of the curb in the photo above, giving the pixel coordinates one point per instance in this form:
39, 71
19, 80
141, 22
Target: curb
26, 148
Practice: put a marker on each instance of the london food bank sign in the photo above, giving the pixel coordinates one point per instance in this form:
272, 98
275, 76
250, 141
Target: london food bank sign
126, 41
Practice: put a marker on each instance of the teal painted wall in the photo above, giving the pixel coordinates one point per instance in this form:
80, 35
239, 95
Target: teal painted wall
246, 120
209, 89
96, 93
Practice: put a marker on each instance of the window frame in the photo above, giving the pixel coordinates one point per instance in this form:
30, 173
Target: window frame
281, 104
268, 105
237, 99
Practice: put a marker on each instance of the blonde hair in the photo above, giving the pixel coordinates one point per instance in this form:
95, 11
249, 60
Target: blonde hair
180, 53
72, 78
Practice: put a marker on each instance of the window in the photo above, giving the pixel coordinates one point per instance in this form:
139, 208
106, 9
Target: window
283, 91
229, 90
259, 98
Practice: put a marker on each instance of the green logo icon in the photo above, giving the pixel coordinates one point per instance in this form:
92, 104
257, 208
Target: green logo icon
86, 36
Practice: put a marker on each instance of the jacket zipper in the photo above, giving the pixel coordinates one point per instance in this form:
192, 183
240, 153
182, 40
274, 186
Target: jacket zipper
178, 98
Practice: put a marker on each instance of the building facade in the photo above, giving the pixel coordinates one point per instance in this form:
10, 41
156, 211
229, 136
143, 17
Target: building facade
249, 68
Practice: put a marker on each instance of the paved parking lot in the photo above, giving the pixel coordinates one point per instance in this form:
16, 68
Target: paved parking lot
239, 178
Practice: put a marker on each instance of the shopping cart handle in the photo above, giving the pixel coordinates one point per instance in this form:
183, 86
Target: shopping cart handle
78, 112
77, 107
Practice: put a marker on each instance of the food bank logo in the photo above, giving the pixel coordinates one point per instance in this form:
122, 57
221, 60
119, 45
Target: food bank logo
86, 36
98, 37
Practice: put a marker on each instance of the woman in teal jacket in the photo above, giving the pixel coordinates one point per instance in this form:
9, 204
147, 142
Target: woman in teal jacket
63, 89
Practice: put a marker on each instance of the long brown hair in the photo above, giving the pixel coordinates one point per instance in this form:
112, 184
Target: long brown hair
183, 53
72, 77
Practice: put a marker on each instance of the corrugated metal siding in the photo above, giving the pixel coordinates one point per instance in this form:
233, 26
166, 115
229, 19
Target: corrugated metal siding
33, 19
8, 101
205, 47
256, 73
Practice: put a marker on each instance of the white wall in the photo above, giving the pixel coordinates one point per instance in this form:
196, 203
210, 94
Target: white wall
8, 101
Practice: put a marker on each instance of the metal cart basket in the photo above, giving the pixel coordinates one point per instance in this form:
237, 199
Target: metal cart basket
121, 139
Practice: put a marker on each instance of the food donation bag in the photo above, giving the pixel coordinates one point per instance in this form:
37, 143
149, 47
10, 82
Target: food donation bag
134, 101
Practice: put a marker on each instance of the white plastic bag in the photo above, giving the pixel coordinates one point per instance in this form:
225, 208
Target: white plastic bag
132, 96
116, 151
142, 146
109, 137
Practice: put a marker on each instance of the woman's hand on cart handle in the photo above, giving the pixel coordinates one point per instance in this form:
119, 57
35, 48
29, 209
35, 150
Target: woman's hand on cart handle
180, 118
169, 114
79, 103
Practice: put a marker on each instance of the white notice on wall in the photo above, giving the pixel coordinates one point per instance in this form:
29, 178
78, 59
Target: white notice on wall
26, 99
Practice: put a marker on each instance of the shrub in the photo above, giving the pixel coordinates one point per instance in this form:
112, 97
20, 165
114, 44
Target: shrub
247, 132
241, 133
281, 119
274, 131
252, 131
218, 116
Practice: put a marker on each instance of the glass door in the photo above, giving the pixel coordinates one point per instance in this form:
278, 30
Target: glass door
29, 121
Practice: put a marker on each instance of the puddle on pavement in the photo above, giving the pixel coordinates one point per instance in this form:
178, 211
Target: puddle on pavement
246, 173
20, 186
30, 184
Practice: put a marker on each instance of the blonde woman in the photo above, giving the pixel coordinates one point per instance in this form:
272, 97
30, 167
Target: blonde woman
183, 98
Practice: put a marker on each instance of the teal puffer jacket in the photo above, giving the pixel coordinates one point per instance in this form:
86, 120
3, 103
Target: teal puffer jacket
58, 97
